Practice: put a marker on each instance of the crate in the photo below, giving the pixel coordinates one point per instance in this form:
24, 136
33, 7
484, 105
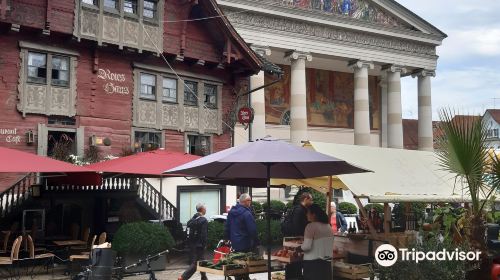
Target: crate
293, 242
283, 259
226, 270
351, 271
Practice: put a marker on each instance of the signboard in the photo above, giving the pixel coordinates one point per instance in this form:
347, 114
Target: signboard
245, 115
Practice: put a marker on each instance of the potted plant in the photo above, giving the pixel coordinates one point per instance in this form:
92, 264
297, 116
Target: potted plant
136, 241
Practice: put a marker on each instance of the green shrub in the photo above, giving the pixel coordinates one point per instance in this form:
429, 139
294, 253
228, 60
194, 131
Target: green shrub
276, 236
318, 197
347, 208
276, 206
378, 207
289, 205
215, 234
257, 207
142, 238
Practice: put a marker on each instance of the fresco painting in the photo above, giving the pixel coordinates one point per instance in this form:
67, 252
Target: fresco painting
330, 99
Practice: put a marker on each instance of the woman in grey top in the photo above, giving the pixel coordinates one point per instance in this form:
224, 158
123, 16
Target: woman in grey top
317, 246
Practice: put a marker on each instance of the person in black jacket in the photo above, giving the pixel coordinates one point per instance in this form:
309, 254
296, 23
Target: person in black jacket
197, 240
299, 223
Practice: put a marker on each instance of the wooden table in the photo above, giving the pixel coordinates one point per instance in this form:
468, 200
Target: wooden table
63, 243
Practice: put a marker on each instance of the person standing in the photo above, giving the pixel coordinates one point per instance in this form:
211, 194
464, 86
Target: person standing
197, 241
317, 246
337, 220
298, 220
240, 227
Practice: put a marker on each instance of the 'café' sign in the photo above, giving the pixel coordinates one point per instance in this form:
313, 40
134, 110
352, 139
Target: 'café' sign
10, 135
113, 78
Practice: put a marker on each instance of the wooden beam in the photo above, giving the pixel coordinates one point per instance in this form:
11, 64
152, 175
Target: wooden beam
329, 197
387, 218
365, 215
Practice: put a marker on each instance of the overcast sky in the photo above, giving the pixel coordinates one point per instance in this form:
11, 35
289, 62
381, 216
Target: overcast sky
468, 71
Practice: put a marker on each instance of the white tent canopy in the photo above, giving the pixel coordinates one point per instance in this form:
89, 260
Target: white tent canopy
398, 175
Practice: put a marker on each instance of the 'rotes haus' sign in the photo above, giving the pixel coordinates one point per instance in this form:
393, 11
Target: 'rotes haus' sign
113, 81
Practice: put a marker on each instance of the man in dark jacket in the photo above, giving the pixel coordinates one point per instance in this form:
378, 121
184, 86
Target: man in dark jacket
197, 240
240, 226
299, 223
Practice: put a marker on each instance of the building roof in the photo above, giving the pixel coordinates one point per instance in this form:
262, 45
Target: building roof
495, 114
410, 133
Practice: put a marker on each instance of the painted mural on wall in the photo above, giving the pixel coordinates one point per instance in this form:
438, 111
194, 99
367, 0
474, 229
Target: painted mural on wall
330, 99
358, 9
278, 98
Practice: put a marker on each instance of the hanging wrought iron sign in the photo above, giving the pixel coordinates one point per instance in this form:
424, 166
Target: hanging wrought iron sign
245, 115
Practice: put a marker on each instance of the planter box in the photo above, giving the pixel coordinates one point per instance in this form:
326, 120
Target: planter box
156, 265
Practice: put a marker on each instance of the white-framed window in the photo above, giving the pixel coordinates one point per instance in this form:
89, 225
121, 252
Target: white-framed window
199, 145
150, 9
130, 6
111, 4
37, 68
60, 71
147, 140
91, 2
190, 93
210, 95
148, 86
169, 90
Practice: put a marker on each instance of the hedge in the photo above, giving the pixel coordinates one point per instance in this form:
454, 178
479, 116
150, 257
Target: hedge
347, 208
215, 234
142, 238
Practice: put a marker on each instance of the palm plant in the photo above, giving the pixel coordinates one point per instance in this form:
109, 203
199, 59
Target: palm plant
462, 151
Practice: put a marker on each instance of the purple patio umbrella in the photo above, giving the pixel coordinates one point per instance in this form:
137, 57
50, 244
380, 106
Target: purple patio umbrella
265, 159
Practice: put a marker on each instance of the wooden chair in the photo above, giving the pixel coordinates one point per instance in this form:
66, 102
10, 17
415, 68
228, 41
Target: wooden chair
102, 238
85, 238
75, 231
9, 262
5, 242
47, 259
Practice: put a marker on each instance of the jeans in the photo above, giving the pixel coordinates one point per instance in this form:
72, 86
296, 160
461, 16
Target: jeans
195, 254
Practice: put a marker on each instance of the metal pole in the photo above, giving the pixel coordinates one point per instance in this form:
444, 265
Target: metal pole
268, 221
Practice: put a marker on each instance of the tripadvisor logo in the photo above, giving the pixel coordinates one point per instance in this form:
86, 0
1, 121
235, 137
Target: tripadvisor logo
387, 255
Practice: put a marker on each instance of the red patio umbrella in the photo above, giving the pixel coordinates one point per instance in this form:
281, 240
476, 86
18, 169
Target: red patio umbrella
15, 161
149, 164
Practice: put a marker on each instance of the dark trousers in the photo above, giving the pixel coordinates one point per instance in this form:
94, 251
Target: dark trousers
195, 254
293, 271
317, 270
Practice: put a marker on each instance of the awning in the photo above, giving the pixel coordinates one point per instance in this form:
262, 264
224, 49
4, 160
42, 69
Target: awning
398, 175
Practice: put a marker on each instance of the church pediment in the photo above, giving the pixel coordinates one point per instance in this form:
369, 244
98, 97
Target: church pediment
386, 16
364, 10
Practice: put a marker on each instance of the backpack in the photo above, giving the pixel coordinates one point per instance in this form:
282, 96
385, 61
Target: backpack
194, 228
287, 223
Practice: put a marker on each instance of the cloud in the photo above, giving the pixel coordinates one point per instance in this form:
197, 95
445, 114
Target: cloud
468, 73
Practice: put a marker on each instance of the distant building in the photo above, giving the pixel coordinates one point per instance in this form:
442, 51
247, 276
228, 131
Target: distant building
491, 119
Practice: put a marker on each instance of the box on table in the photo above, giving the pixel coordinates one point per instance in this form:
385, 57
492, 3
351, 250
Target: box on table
351, 271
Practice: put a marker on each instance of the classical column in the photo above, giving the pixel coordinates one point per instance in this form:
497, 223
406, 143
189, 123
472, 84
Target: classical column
361, 102
258, 98
383, 109
394, 108
298, 99
425, 135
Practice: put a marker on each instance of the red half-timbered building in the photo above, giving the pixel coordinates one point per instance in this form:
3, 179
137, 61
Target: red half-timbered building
118, 75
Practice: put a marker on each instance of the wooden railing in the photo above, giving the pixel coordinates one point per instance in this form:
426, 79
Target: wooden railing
17, 194
155, 200
109, 184
146, 192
